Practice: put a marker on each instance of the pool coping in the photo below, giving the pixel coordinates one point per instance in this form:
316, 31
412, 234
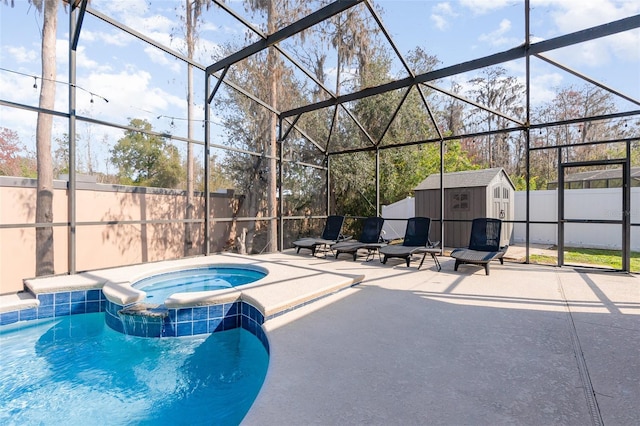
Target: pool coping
292, 282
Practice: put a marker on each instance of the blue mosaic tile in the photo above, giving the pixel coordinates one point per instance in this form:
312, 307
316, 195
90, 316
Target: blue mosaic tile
9, 317
168, 329
173, 315
200, 313
153, 329
78, 308
215, 325
62, 310
113, 322
200, 327
215, 311
78, 296
229, 323
231, 308
92, 307
28, 314
94, 294
45, 311
251, 327
45, 299
245, 309
184, 314
184, 329
62, 297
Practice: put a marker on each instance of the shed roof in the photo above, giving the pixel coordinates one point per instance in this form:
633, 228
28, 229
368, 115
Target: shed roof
466, 179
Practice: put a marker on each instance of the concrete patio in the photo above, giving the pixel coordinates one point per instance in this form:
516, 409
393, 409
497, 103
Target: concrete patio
530, 345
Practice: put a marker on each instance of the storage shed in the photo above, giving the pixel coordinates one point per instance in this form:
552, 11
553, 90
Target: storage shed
467, 195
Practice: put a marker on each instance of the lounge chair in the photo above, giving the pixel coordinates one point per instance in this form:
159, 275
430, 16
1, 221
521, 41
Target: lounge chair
369, 240
484, 245
330, 235
416, 241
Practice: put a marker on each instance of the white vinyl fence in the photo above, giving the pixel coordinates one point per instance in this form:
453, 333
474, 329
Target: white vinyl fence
594, 204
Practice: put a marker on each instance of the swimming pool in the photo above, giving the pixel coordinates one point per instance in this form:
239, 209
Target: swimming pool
76, 370
160, 286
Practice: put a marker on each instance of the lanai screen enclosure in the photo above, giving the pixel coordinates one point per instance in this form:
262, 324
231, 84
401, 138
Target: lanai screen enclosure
299, 110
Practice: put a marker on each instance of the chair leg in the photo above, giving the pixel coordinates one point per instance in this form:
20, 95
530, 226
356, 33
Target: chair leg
355, 254
422, 261
384, 260
298, 250
436, 261
486, 268
408, 260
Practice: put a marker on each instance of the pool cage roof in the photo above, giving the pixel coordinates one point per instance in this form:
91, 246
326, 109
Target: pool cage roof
408, 79
337, 99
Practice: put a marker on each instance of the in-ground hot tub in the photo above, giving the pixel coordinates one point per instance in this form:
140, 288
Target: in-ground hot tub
187, 301
160, 287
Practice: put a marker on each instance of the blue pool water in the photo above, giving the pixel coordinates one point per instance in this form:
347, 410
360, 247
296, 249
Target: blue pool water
76, 370
161, 286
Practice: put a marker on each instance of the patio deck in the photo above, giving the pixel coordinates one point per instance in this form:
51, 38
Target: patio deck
526, 345
531, 345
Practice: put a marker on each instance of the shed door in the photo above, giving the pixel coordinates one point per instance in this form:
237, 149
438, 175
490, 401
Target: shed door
501, 210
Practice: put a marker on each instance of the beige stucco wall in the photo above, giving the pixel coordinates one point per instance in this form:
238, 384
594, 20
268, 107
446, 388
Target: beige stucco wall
102, 245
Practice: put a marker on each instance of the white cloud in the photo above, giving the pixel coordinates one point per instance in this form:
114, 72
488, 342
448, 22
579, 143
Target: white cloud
497, 37
543, 87
114, 38
121, 8
439, 21
440, 15
159, 57
480, 7
444, 8
21, 55
575, 15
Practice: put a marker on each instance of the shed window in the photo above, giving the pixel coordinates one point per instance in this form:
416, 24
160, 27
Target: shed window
460, 200
505, 193
496, 192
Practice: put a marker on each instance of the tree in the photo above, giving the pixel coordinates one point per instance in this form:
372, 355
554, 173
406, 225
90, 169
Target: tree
252, 127
279, 14
44, 199
10, 164
570, 103
146, 160
191, 21
498, 92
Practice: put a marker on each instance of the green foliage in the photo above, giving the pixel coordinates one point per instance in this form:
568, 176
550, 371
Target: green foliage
586, 256
11, 162
146, 160
520, 183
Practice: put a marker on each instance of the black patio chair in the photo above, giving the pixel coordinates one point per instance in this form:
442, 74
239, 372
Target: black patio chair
416, 241
484, 244
330, 235
369, 240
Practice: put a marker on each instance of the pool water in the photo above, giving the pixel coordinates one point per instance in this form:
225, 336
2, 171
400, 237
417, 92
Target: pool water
160, 287
76, 370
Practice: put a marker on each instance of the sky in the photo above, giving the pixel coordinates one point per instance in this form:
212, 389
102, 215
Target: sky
141, 81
